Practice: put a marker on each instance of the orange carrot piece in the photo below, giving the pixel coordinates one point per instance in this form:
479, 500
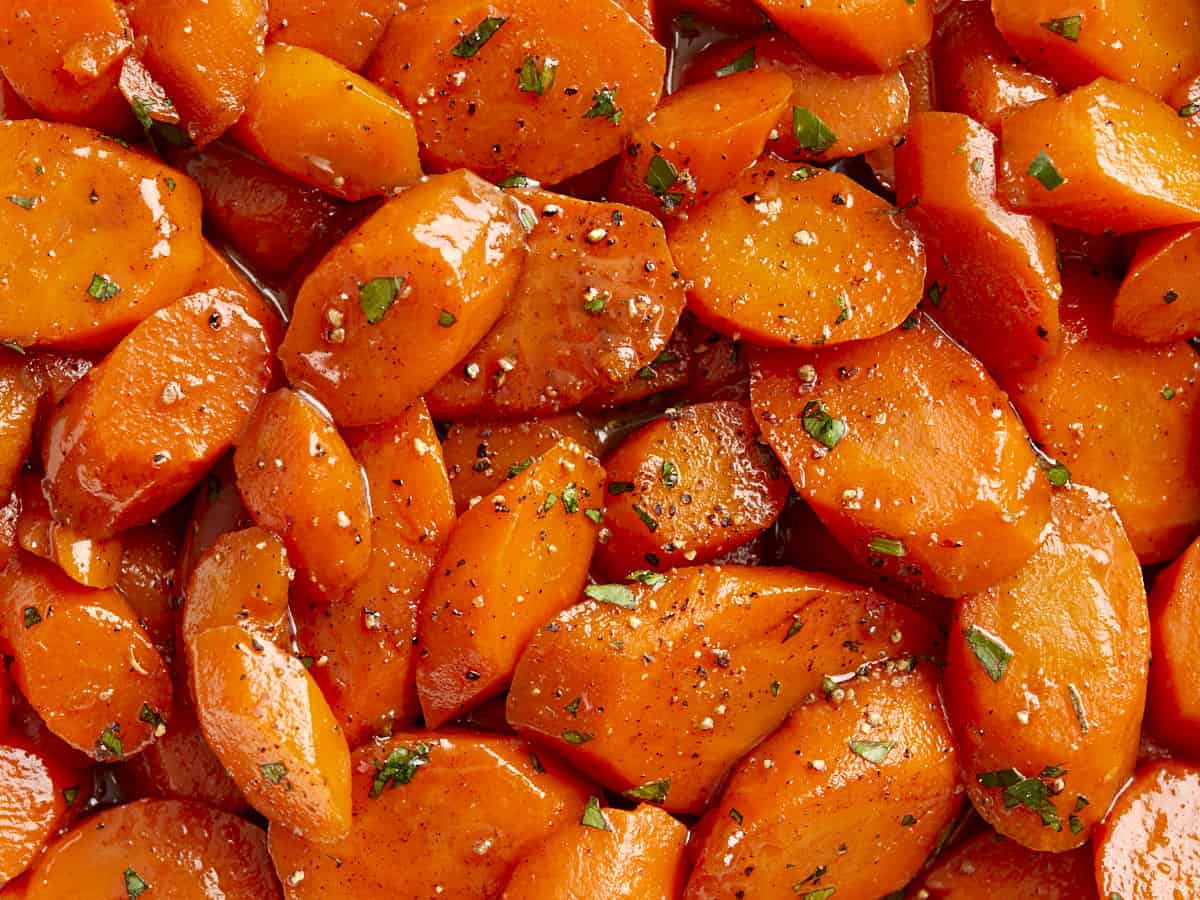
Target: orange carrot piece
298, 479
513, 561
146, 579
766, 638
319, 122
841, 268
33, 805
867, 36
993, 274
886, 441
92, 563
404, 297
1184, 98
216, 510
729, 15
1157, 301
12, 107
1103, 158
343, 30
1173, 707
19, 396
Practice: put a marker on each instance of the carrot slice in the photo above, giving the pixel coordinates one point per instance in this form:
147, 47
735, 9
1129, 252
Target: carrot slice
639, 854
687, 488
987, 866
766, 638
1157, 301
513, 561
298, 479
92, 563
133, 249
321, 123
1150, 843
216, 510
1100, 399
364, 650
140, 430
19, 396
520, 89
343, 30
596, 304
507, 799
993, 274
1103, 158
846, 798
867, 36
402, 298
729, 15
147, 580
1184, 98
886, 441
1173, 710
33, 805
841, 268
169, 847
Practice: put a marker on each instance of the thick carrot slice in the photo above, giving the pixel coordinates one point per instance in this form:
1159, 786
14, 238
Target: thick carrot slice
63, 58
207, 55
147, 579
1158, 301
133, 249
92, 563
887, 440
82, 661
319, 122
364, 649
597, 302
507, 799
513, 561
142, 427
1149, 846
976, 73
32, 804
1173, 710
670, 370
862, 112
792, 256
266, 720
993, 274
298, 479
868, 36
766, 638
699, 140
1103, 158
446, 255
216, 510
480, 456
19, 396
1046, 700
167, 847
632, 854
1106, 398
1147, 43
846, 798
987, 866
343, 30
687, 488
520, 87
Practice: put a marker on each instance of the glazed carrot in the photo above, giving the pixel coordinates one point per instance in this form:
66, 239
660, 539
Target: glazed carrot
871, 36
987, 865
216, 510
917, 74
481, 456
63, 58
1173, 708
364, 649
1105, 398
717, 368
1150, 844
169, 847
10, 514
976, 72
1146, 43
846, 798
92, 563
270, 219
699, 140
268, 724
730, 15
631, 854
216, 271
687, 488
596, 303
1046, 701
840, 268
147, 579
766, 639
82, 661
507, 799
1103, 158
207, 55
33, 805
56, 373
344, 30
860, 111
1184, 98
512, 562
520, 88
132, 250
142, 427
319, 122
19, 395
993, 274
1157, 301
669, 371
403, 297
12, 107
894, 477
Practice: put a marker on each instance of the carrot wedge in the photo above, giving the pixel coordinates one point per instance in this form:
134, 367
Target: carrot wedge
1173, 701
1158, 300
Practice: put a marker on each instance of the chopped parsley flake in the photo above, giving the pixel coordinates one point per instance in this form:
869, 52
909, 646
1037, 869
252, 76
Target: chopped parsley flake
593, 817
604, 106
400, 767
873, 751
614, 594
102, 288
472, 42
135, 885
886, 546
1042, 168
821, 426
993, 654
810, 132
1066, 27
274, 772
740, 63
535, 79
652, 791
377, 296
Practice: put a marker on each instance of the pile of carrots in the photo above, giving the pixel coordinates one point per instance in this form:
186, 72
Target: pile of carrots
654, 449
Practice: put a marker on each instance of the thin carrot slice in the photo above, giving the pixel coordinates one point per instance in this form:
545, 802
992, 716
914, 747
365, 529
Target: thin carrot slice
343, 30
32, 804
987, 865
1173, 708
1157, 301
868, 36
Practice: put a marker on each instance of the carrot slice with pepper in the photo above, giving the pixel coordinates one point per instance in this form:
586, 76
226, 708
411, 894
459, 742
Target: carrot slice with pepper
92, 563
34, 788
343, 30
1157, 300
867, 36
1173, 707
19, 396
